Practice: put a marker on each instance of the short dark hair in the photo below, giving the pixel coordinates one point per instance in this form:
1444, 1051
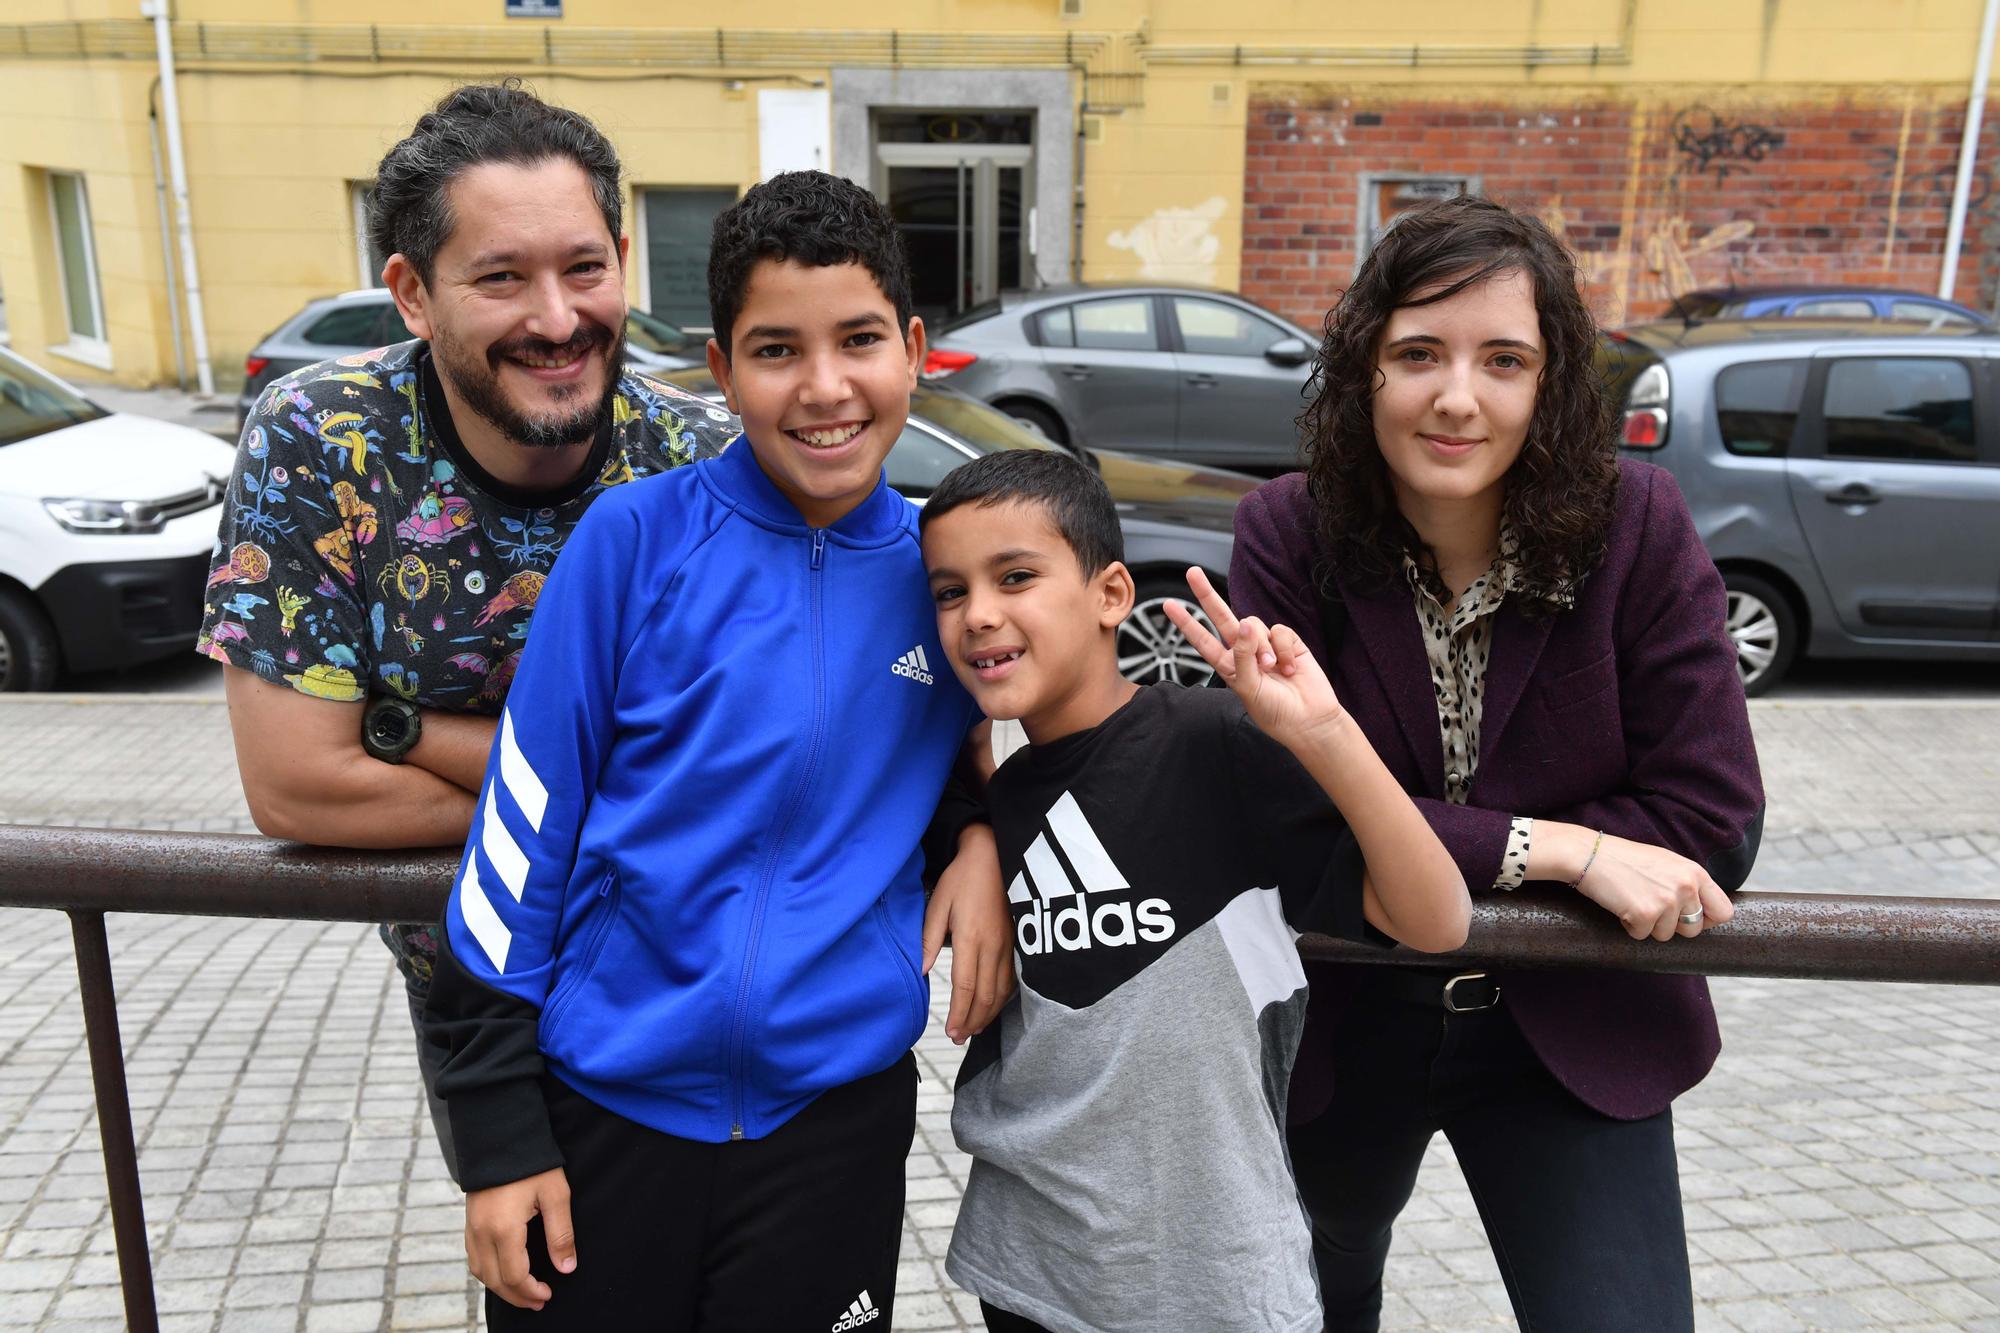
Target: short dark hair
813, 218
1562, 490
409, 211
1067, 491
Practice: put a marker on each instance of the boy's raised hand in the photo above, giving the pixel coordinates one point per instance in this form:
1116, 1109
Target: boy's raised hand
1270, 668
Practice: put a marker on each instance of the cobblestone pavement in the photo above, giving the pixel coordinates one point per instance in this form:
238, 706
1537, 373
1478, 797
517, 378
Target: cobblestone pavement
1841, 1166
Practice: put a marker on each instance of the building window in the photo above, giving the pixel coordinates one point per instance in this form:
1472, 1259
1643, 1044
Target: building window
76, 267
674, 227
1384, 198
366, 255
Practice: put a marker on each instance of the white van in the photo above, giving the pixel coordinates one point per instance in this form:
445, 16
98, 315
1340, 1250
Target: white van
107, 522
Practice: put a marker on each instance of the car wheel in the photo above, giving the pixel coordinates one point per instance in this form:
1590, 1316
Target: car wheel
1040, 418
28, 654
1764, 629
1151, 647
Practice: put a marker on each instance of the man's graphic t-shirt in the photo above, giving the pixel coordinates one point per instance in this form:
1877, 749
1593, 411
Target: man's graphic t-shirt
363, 550
1125, 1116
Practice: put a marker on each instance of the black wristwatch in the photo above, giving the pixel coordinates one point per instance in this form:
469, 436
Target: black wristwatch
390, 728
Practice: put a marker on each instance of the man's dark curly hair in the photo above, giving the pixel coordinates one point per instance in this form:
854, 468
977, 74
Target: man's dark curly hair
1560, 493
409, 211
813, 218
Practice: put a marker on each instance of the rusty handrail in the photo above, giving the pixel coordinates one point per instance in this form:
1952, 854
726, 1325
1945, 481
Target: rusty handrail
1826, 936
89, 872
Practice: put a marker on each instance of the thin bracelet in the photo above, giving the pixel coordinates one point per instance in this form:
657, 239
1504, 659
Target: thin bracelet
1588, 861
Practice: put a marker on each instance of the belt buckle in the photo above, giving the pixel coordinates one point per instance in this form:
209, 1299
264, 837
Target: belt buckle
1451, 1003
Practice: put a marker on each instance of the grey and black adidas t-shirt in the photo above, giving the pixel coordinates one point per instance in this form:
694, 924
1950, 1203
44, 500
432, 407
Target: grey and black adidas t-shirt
1125, 1115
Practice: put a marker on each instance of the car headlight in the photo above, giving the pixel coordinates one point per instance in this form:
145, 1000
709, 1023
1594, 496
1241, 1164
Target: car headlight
95, 516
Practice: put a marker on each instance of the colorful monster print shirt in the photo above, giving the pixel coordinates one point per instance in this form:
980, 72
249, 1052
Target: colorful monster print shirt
364, 551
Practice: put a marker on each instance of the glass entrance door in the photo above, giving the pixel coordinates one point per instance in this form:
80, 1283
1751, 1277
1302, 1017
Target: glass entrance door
964, 212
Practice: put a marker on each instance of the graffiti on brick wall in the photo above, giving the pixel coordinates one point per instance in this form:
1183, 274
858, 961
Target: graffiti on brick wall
1707, 142
1672, 250
1176, 243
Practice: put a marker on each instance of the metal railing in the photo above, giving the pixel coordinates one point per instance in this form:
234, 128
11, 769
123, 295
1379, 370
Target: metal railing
89, 872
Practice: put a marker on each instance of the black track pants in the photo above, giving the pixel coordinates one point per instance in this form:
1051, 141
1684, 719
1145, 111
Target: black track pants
795, 1231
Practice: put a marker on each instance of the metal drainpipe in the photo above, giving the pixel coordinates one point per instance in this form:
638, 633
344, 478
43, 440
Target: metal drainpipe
166, 240
170, 115
1968, 150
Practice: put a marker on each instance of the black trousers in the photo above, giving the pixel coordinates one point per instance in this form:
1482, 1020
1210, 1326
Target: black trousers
1583, 1211
795, 1231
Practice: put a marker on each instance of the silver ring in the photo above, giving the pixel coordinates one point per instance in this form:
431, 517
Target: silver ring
1690, 918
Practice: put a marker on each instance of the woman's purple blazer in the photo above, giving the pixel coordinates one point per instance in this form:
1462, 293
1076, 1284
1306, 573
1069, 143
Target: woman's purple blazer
1623, 713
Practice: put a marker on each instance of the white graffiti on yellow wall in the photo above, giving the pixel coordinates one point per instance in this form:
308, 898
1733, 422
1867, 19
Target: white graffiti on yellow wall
1176, 243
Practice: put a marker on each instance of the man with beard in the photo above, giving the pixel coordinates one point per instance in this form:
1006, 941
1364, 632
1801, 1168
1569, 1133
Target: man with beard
393, 515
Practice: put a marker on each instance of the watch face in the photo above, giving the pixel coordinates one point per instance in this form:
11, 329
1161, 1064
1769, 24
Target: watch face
388, 727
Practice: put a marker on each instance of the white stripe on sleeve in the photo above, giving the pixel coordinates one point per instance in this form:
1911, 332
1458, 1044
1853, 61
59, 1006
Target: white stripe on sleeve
520, 777
480, 918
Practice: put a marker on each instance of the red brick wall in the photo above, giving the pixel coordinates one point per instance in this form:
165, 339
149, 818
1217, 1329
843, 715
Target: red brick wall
1744, 192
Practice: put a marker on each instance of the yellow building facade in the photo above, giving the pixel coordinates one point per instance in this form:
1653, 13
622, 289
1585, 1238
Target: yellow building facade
1252, 145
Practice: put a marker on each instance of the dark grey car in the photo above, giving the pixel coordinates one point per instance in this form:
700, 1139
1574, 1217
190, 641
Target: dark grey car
361, 321
1173, 515
1844, 475
1189, 373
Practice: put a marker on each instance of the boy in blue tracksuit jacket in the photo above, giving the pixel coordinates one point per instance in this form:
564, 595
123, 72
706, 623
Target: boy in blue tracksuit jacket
681, 971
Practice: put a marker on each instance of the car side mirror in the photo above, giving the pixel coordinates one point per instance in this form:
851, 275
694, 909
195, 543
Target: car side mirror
1288, 352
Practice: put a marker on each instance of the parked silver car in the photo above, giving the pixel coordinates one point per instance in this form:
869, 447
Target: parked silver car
361, 321
1197, 375
1173, 515
1845, 476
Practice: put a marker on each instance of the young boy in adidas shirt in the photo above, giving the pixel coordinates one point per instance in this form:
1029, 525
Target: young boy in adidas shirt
1161, 847
681, 974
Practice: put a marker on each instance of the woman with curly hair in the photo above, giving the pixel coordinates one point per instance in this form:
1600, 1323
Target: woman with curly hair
1531, 634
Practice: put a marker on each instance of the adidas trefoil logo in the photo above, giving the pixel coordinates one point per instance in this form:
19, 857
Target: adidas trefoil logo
1095, 908
913, 666
863, 1311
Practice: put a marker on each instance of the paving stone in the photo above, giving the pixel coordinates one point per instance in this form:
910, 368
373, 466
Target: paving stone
1841, 1166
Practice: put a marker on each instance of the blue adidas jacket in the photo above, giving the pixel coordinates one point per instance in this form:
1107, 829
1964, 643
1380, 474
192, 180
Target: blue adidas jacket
692, 889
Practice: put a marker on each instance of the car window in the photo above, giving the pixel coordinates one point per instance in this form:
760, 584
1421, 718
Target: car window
1123, 325
1934, 315
1055, 328
392, 329
1212, 328
356, 325
1835, 308
972, 314
31, 404
919, 461
987, 429
1899, 408
1757, 404
1620, 362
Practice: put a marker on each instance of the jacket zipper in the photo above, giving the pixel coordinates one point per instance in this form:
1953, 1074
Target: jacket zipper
600, 929
770, 869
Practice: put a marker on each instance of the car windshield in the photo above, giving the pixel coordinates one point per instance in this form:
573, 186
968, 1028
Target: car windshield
986, 429
32, 404
1620, 361
1695, 305
969, 315
653, 334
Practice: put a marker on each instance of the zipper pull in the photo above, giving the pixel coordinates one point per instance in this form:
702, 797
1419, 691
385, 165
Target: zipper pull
819, 546
736, 1133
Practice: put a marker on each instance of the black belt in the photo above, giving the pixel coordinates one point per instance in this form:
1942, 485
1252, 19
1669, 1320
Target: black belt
1455, 992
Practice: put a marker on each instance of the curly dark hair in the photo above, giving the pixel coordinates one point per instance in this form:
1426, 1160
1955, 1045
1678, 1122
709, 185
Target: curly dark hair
811, 217
409, 209
1561, 491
